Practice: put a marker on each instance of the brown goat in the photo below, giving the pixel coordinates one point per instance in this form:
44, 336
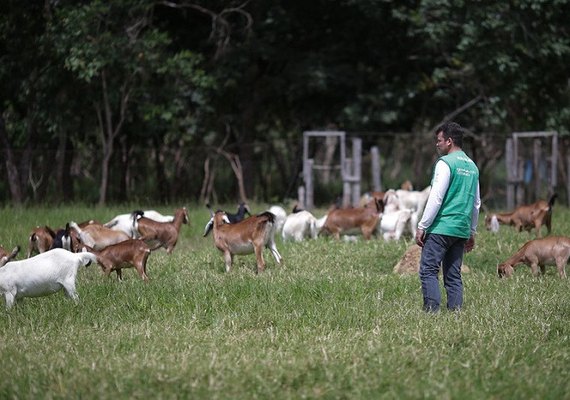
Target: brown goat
97, 236
5, 256
347, 220
125, 254
165, 233
40, 240
525, 217
538, 253
245, 237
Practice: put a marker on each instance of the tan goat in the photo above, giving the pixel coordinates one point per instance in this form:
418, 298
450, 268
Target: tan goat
165, 234
125, 254
348, 220
97, 236
5, 256
245, 237
525, 217
40, 240
539, 253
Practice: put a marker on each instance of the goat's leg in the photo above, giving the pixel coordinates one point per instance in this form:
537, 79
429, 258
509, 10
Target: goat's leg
537, 226
561, 265
119, 272
259, 256
228, 258
10, 299
274, 252
534, 268
141, 269
542, 269
69, 288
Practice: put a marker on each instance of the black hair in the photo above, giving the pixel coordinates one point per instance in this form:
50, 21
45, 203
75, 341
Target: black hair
451, 130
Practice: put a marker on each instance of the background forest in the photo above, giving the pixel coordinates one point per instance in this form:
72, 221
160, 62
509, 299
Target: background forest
158, 101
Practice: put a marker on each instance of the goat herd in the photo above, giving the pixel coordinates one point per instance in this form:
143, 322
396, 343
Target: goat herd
128, 239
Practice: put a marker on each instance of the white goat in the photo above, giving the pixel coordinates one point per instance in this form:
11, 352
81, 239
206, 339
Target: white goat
245, 237
280, 216
42, 275
393, 224
299, 226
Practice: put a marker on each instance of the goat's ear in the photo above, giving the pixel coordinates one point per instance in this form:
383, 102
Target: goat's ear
209, 226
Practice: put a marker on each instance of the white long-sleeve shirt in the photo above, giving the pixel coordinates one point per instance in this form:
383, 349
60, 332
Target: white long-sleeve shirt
439, 186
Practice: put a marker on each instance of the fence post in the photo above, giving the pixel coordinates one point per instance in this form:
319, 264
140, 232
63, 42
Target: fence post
356, 170
375, 165
511, 173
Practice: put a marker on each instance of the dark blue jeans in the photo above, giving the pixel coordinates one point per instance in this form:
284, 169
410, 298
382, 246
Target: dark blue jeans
447, 252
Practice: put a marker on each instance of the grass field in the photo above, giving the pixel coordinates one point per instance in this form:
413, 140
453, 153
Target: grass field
332, 322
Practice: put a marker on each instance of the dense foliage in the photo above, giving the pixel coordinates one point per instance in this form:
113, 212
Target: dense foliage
139, 99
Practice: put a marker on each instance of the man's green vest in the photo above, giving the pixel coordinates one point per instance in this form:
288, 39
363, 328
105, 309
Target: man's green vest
454, 216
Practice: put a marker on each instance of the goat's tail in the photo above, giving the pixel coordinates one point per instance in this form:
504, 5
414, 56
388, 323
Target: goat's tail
87, 258
269, 215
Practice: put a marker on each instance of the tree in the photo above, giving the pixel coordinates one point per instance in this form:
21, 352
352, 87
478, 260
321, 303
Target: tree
122, 58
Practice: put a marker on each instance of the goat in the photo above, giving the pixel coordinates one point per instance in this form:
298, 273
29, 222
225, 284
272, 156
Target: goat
43, 274
63, 239
6, 257
40, 240
248, 236
393, 224
238, 216
280, 216
129, 253
538, 253
97, 236
525, 217
347, 220
165, 233
300, 225
128, 222
369, 196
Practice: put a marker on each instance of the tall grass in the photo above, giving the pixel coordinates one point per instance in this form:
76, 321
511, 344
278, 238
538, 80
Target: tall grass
332, 322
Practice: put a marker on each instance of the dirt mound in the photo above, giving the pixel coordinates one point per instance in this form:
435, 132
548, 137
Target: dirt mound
410, 261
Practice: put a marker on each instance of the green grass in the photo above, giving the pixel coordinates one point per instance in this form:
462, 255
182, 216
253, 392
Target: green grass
332, 322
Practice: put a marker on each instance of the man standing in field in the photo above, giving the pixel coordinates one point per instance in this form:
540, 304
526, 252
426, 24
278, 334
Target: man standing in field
449, 221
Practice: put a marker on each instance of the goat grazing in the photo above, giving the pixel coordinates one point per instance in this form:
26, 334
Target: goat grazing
164, 233
248, 236
42, 275
300, 225
347, 220
6, 257
129, 253
539, 253
525, 217
40, 240
97, 236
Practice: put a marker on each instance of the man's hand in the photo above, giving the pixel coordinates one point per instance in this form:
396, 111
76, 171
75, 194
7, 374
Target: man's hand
469, 244
420, 235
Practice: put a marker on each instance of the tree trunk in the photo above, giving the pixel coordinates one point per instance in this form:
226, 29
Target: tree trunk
11, 166
109, 130
162, 186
